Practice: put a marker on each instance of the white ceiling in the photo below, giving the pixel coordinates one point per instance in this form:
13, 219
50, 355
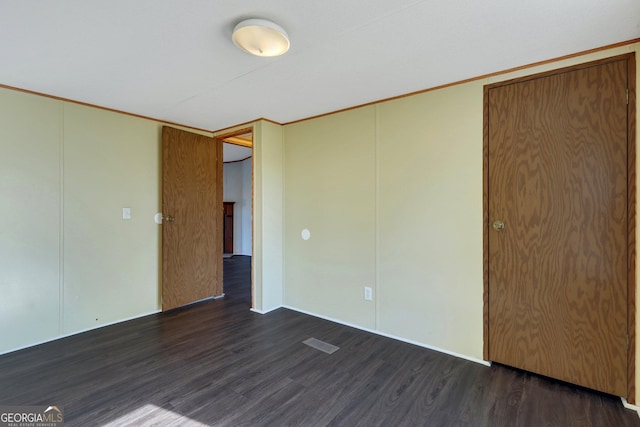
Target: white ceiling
174, 60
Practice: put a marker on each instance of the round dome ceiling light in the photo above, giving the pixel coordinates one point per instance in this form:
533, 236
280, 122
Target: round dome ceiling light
261, 37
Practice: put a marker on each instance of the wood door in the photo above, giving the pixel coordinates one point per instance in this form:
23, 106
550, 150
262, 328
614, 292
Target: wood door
192, 225
557, 179
228, 227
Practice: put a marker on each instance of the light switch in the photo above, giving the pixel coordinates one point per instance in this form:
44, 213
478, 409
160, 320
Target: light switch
126, 213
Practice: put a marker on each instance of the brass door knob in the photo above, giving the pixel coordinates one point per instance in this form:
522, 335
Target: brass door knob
498, 225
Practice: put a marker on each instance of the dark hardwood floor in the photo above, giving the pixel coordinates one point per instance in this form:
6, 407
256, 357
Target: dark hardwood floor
218, 364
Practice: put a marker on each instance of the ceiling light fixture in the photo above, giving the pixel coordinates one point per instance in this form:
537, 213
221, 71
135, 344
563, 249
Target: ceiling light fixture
261, 37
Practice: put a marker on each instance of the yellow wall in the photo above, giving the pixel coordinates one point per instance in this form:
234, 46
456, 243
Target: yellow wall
330, 190
68, 260
430, 219
268, 216
111, 161
392, 195
30, 199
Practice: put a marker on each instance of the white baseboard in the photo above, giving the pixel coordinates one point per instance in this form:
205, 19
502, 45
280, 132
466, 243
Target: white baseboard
373, 331
255, 310
81, 331
630, 406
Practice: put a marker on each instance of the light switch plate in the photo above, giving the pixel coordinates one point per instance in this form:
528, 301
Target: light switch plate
126, 213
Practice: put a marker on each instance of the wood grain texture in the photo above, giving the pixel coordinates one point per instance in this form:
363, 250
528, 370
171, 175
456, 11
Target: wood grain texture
218, 364
192, 194
557, 177
218, 232
631, 239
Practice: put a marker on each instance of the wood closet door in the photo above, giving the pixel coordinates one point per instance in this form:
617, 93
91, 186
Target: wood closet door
557, 179
192, 224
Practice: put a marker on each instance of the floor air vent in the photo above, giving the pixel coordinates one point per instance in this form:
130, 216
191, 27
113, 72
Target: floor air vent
321, 345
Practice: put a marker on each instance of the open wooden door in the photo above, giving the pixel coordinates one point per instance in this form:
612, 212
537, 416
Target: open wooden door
192, 224
561, 225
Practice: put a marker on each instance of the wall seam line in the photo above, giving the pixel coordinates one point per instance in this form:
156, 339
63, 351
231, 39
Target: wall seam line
61, 224
376, 216
284, 216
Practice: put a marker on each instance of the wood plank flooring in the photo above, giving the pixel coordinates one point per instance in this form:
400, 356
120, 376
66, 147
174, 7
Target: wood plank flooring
218, 364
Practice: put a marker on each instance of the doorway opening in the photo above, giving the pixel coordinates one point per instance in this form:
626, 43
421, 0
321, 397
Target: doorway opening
237, 242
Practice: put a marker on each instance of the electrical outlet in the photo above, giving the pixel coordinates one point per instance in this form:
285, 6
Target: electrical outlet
368, 293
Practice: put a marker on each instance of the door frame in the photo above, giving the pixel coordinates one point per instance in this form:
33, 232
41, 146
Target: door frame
631, 206
221, 137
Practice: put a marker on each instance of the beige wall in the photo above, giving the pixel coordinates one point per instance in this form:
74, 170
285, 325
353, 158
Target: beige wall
68, 261
390, 192
430, 219
392, 195
268, 216
30, 200
110, 264
330, 190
